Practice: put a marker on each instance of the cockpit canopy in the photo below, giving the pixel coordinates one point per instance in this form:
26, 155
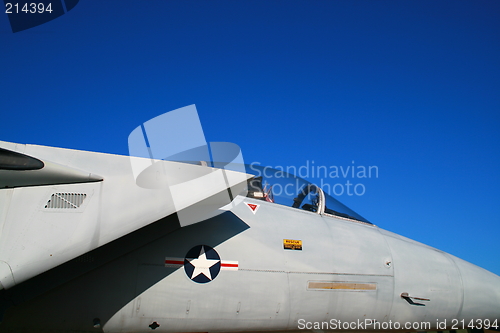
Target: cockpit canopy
286, 189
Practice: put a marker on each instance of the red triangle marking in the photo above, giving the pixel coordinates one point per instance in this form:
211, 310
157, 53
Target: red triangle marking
253, 207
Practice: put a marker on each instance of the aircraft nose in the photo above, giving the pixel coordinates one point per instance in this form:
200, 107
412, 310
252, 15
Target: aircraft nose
481, 292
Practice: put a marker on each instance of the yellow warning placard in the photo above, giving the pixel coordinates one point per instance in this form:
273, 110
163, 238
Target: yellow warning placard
292, 244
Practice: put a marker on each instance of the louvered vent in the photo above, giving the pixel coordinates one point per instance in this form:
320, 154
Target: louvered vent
66, 200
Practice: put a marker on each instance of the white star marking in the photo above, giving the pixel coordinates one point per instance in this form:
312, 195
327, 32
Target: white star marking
202, 265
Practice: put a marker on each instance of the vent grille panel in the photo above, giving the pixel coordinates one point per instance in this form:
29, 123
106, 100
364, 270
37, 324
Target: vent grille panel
66, 200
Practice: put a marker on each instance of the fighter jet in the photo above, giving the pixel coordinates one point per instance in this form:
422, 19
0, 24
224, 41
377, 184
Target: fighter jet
94, 242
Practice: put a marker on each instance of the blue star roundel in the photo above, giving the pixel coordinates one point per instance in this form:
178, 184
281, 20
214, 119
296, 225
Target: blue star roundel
202, 264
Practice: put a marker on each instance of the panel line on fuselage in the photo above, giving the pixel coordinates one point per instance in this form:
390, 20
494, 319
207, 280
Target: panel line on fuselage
302, 272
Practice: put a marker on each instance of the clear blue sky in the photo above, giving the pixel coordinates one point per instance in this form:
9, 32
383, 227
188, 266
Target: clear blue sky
411, 87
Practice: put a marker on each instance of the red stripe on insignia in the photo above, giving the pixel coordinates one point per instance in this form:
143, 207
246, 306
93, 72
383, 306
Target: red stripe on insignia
174, 262
229, 265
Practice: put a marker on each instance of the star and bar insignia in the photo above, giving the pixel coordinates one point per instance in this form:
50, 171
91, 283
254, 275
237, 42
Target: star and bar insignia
202, 264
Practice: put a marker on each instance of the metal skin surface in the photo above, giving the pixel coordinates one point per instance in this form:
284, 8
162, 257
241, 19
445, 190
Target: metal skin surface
35, 238
345, 270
